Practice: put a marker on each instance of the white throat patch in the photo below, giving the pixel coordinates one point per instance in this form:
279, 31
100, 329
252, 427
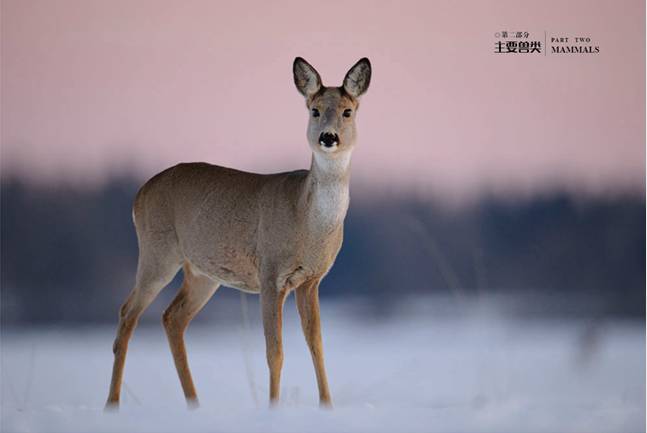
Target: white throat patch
331, 198
333, 162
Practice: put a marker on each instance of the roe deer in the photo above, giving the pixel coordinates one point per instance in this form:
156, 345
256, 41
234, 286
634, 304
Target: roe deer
260, 233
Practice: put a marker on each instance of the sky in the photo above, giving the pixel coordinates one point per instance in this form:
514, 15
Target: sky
96, 89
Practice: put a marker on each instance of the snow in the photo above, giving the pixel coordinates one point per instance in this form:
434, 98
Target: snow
412, 373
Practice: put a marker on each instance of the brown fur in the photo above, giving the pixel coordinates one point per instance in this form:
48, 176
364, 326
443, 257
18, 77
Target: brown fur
264, 234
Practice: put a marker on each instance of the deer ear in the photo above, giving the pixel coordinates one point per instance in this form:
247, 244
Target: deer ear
306, 77
358, 78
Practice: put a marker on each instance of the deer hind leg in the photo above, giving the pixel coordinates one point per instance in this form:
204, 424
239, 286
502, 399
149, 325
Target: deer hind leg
195, 292
272, 301
307, 296
153, 274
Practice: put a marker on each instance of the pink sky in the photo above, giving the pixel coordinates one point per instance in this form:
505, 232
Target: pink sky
92, 89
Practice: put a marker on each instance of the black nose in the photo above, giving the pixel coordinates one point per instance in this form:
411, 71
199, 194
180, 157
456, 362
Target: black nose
328, 139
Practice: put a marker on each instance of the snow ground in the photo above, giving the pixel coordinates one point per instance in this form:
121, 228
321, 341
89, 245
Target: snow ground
417, 373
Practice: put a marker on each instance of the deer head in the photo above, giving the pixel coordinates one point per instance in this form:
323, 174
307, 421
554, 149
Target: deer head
331, 125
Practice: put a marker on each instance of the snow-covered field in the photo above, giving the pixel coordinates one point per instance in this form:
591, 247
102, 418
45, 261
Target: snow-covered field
416, 373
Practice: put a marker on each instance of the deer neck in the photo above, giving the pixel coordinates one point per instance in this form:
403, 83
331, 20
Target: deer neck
326, 191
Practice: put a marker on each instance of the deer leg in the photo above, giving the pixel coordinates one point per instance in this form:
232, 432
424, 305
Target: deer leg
154, 272
272, 301
139, 299
195, 292
307, 297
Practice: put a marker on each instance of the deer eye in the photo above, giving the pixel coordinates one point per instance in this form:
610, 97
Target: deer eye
347, 112
315, 112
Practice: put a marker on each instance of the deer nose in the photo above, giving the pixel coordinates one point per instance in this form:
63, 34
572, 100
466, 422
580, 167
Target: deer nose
327, 139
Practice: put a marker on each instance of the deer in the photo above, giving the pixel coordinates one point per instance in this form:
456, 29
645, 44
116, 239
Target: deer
265, 234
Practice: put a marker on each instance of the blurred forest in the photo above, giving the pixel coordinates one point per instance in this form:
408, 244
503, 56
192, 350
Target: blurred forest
69, 255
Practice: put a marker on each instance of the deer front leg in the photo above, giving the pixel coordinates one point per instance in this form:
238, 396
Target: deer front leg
308, 305
272, 301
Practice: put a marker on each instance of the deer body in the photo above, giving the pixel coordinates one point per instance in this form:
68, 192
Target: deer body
264, 234
231, 235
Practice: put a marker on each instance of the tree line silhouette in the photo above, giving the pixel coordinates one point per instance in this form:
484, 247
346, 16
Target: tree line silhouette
68, 255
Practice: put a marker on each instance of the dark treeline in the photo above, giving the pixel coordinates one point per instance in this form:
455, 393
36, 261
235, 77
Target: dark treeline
69, 255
